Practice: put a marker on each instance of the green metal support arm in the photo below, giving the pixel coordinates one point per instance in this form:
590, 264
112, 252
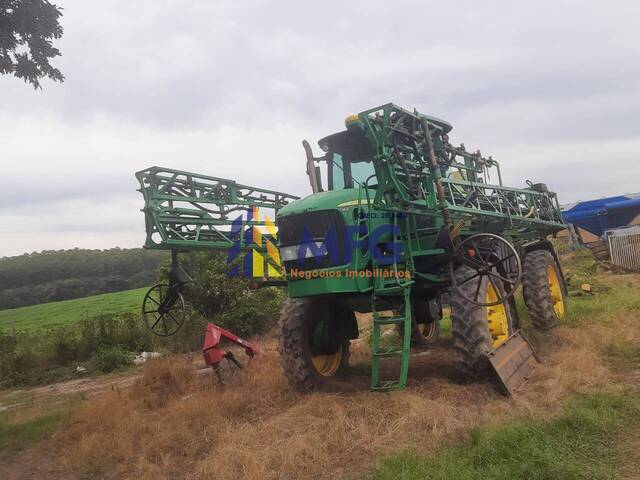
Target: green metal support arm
186, 211
410, 181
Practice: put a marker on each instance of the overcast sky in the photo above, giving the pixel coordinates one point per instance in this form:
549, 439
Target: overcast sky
229, 88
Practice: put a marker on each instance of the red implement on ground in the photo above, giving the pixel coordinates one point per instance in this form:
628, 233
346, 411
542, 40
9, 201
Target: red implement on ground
212, 352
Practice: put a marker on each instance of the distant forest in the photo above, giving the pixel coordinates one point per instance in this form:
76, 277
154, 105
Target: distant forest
50, 276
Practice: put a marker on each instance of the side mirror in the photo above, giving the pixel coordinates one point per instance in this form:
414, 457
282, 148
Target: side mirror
313, 172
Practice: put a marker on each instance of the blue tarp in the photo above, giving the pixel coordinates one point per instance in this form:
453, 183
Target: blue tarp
596, 216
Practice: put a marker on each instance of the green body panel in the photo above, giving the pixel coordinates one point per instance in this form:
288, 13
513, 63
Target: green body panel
340, 279
323, 201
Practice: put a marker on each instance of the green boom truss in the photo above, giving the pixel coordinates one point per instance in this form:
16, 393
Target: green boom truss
408, 179
186, 211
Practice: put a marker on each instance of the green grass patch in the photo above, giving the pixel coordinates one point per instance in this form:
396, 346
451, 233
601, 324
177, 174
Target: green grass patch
580, 264
610, 294
626, 354
578, 445
111, 358
14, 436
600, 307
445, 326
54, 314
100, 344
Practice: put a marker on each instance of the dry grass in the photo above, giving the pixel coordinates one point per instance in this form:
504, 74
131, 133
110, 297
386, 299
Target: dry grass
172, 424
629, 455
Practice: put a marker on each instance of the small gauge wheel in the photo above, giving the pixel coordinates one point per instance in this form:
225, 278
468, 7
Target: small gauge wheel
492, 259
163, 310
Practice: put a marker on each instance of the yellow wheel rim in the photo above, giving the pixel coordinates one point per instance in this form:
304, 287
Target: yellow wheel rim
427, 331
497, 318
327, 365
556, 291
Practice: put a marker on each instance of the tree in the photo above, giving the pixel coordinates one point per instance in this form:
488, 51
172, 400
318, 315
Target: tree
27, 31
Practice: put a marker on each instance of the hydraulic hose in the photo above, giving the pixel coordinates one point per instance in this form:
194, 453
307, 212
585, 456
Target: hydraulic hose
435, 172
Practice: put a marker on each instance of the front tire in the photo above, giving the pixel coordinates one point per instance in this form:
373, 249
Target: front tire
543, 289
312, 343
477, 329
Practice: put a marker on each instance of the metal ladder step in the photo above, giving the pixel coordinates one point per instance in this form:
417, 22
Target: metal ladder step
391, 286
387, 386
389, 352
398, 287
389, 320
390, 290
403, 351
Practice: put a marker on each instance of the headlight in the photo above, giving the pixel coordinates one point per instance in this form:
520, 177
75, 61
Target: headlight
310, 250
290, 253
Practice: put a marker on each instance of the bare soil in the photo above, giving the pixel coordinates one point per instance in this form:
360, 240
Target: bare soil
59, 393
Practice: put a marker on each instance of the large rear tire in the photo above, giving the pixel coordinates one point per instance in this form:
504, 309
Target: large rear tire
312, 342
478, 329
543, 289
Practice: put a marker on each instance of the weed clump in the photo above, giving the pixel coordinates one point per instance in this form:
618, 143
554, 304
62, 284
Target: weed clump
163, 380
111, 358
101, 344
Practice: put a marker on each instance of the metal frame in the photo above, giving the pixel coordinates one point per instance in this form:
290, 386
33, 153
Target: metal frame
408, 182
189, 211
414, 163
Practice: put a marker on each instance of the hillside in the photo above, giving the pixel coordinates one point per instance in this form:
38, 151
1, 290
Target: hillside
51, 276
69, 311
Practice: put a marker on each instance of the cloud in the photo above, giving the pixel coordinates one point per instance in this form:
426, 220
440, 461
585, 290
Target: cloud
230, 88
